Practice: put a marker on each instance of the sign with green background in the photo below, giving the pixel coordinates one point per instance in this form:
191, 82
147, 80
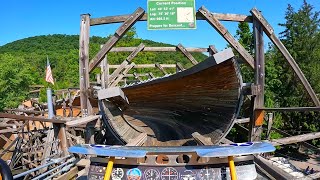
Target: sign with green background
171, 14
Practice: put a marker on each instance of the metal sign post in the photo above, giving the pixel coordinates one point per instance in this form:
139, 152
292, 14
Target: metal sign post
167, 14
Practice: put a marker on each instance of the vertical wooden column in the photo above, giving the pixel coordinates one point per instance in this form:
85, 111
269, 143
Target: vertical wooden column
259, 66
104, 72
86, 108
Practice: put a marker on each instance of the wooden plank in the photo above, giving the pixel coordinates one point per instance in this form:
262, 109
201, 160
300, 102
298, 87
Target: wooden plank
295, 139
28, 118
290, 109
270, 122
187, 54
123, 74
276, 41
122, 18
104, 72
201, 140
145, 66
214, 22
158, 49
82, 121
138, 141
84, 63
226, 141
123, 65
151, 75
161, 68
62, 136
242, 121
128, 23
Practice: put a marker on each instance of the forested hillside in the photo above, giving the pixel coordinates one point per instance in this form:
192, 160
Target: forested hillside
23, 62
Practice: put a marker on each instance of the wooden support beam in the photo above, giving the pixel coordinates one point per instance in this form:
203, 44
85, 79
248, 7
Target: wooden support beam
276, 41
242, 121
161, 68
123, 74
179, 67
122, 18
62, 136
104, 72
151, 75
290, 109
128, 23
295, 139
137, 66
212, 50
201, 140
123, 65
214, 22
84, 64
259, 78
159, 49
29, 118
137, 76
187, 54
81, 121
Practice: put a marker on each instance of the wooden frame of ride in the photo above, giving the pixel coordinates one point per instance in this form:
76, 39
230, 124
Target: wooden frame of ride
260, 26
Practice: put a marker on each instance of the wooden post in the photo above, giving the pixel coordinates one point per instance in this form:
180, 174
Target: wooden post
104, 71
63, 139
270, 122
84, 64
259, 66
212, 50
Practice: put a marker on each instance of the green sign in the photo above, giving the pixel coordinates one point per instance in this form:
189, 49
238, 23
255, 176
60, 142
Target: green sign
171, 14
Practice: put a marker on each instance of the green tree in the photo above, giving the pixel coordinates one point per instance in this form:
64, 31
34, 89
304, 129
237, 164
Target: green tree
15, 78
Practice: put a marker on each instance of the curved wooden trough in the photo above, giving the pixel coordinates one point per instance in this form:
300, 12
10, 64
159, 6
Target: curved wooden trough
205, 98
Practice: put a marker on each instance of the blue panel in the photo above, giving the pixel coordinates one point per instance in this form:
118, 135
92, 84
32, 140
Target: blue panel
202, 151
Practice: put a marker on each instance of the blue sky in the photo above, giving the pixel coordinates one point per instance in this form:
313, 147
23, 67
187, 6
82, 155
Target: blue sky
21, 18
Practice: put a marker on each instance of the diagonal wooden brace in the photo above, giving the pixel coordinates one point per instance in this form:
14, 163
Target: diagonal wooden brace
132, 19
214, 22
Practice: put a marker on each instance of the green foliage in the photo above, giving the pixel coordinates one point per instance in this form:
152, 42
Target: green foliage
29, 57
15, 77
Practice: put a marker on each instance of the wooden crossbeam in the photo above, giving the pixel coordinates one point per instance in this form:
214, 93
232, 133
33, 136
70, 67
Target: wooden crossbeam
145, 66
187, 54
214, 22
26, 118
128, 23
161, 68
81, 121
159, 49
123, 74
290, 109
276, 41
122, 18
295, 139
123, 65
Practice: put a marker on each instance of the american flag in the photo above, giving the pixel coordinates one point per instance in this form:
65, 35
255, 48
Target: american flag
49, 77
